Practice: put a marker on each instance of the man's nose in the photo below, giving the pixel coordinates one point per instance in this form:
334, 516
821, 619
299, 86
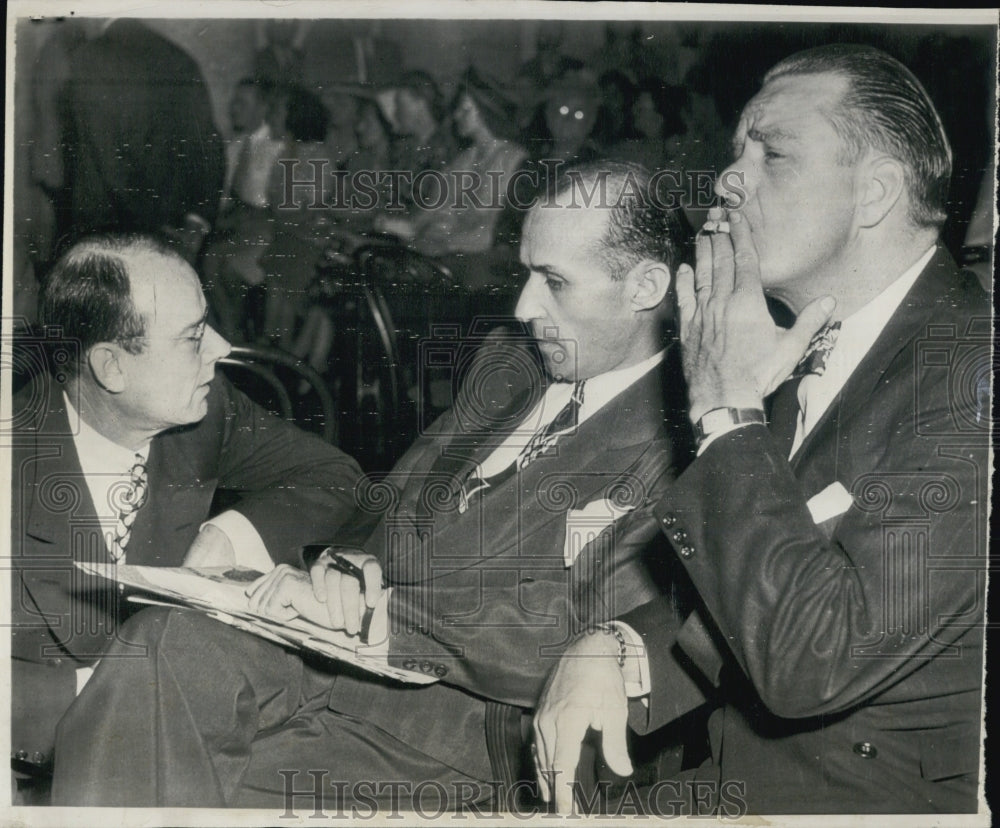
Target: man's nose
528, 305
733, 185
215, 346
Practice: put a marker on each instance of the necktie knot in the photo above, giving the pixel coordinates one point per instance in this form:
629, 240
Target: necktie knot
815, 359
541, 441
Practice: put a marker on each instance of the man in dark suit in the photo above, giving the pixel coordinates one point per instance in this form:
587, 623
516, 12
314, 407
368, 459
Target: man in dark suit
839, 549
144, 149
133, 384
519, 518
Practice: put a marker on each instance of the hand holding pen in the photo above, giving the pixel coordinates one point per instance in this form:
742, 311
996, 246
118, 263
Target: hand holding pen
350, 583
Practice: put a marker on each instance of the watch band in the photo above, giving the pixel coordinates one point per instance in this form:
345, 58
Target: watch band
719, 419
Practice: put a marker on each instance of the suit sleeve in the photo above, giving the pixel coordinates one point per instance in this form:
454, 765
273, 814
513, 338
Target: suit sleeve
821, 624
295, 488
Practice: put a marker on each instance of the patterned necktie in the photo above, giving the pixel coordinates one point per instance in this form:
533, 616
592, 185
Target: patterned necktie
541, 441
133, 498
785, 408
818, 353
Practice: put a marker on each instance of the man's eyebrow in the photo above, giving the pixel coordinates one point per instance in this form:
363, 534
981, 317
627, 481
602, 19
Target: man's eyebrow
771, 134
547, 270
195, 325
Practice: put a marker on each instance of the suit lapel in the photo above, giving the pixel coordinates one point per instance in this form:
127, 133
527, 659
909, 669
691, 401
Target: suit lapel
582, 467
57, 494
179, 500
910, 318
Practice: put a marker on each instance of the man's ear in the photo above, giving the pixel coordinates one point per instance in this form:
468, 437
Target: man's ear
882, 184
649, 283
106, 367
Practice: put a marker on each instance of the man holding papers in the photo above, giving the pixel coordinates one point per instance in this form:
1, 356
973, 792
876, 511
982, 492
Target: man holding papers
117, 454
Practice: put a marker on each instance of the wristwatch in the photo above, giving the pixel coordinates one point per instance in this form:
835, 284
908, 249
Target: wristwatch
720, 419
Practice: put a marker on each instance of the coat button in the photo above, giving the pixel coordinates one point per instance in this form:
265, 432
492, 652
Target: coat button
22, 755
866, 750
38, 758
409, 664
687, 551
426, 666
440, 670
680, 536
668, 520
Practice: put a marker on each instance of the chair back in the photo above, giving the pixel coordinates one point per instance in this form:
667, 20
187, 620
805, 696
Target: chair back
273, 379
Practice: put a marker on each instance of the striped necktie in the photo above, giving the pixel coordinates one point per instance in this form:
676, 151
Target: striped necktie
132, 500
541, 441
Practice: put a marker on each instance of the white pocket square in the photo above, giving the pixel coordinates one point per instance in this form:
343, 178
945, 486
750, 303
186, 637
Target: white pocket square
832, 502
583, 525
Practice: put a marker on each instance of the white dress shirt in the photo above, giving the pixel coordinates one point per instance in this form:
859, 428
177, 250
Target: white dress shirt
597, 392
858, 333
107, 466
250, 163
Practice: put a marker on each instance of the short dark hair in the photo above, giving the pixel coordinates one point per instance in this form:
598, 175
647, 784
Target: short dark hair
639, 226
88, 294
495, 107
421, 85
887, 109
306, 118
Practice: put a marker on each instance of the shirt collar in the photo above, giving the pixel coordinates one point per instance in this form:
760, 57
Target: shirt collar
859, 331
98, 454
598, 390
601, 389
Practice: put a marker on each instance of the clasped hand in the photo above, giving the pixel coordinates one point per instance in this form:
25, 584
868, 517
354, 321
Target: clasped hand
324, 595
733, 353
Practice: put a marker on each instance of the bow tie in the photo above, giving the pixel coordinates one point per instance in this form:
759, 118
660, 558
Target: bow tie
815, 358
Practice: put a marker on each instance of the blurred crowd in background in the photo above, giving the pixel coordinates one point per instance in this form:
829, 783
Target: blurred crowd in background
118, 127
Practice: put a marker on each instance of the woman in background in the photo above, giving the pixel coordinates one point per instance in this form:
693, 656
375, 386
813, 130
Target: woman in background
463, 229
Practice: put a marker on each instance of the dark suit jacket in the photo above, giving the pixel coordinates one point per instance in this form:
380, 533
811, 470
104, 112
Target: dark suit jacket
144, 148
483, 599
293, 487
848, 654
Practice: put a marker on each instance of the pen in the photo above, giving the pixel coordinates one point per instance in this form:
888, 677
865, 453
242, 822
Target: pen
334, 560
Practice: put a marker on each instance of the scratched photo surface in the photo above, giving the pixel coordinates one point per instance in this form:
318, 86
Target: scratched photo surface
587, 408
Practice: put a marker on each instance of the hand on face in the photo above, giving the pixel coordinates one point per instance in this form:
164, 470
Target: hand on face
733, 353
586, 690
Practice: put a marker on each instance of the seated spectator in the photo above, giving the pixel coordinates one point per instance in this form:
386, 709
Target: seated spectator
614, 118
655, 118
231, 264
570, 116
341, 141
371, 157
300, 220
422, 140
466, 224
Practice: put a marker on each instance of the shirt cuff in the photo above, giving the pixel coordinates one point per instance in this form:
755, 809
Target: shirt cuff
636, 669
246, 540
711, 438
